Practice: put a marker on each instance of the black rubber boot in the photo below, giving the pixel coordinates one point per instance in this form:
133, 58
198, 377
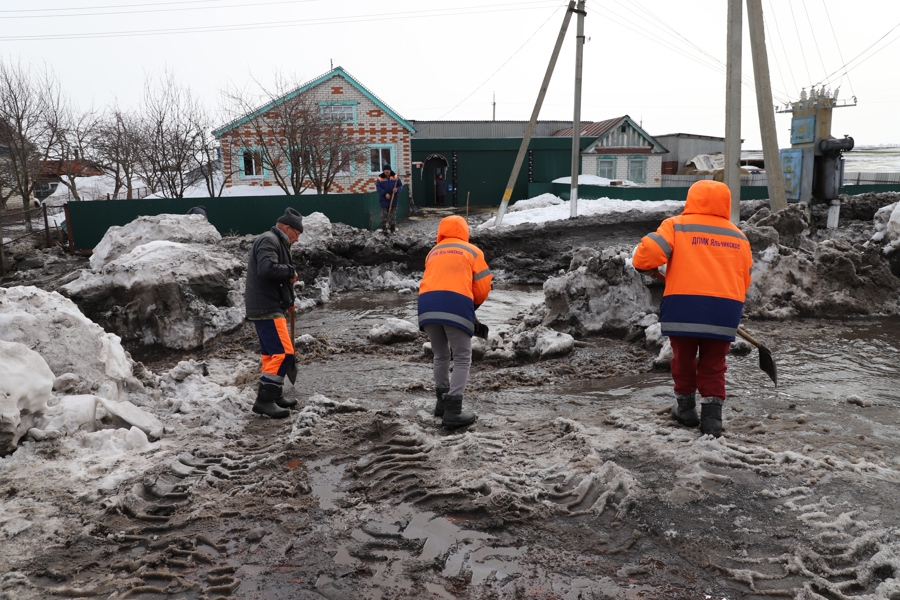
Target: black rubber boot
439, 406
267, 401
393, 228
454, 415
711, 417
685, 410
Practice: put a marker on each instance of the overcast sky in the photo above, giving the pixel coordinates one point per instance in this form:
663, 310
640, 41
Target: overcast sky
659, 61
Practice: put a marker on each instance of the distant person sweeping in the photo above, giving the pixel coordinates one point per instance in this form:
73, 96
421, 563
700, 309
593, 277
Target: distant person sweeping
268, 297
388, 186
707, 276
457, 281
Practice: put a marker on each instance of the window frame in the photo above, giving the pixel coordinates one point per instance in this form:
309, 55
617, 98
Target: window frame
612, 162
256, 151
380, 148
638, 160
330, 106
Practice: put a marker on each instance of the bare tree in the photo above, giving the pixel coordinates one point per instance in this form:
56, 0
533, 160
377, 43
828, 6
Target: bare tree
302, 144
118, 147
76, 151
172, 137
28, 102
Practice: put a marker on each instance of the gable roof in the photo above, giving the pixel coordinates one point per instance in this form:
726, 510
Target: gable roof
335, 72
602, 129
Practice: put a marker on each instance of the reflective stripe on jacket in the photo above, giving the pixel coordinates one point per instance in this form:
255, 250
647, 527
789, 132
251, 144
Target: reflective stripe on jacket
456, 280
708, 265
384, 186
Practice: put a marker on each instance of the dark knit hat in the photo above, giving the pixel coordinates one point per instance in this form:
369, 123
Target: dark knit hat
292, 218
386, 168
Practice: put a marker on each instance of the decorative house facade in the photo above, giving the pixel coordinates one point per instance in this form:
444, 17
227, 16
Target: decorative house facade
621, 150
371, 125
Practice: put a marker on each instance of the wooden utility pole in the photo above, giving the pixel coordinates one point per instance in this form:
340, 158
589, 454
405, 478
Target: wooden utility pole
529, 130
771, 154
576, 118
733, 108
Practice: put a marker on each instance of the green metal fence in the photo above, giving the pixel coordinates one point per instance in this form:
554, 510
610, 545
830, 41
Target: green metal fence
748, 192
87, 222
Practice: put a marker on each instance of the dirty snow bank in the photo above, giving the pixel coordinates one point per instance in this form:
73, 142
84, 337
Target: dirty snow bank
796, 276
163, 280
545, 210
118, 241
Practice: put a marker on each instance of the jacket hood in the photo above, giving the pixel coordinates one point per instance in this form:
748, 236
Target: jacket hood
453, 226
708, 198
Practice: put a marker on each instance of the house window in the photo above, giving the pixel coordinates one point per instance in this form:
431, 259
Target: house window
337, 112
606, 167
251, 163
378, 157
637, 170
343, 165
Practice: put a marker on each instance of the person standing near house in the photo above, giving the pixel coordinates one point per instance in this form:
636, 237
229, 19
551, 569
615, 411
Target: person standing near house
440, 189
268, 298
708, 262
388, 186
457, 281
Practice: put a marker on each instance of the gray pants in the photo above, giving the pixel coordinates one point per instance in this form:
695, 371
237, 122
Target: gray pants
447, 340
388, 216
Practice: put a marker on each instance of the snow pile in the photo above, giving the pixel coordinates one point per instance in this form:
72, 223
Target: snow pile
601, 293
541, 201
169, 293
546, 210
542, 343
887, 227
25, 386
393, 330
87, 359
118, 241
598, 181
201, 405
794, 276
316, 229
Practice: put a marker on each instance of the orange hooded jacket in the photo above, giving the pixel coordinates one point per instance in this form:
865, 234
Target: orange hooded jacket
457, 278
708, 265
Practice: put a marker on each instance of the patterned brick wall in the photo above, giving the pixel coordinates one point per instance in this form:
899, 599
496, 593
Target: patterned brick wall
374, 126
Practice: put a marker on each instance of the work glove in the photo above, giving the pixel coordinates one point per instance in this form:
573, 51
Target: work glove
481, 330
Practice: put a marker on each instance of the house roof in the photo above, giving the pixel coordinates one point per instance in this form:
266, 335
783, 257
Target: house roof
602, 129
335, 72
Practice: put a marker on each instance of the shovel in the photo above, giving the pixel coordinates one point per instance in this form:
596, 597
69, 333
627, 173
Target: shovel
292, 372
766, 362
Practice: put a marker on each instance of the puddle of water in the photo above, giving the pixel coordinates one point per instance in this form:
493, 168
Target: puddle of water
324, 479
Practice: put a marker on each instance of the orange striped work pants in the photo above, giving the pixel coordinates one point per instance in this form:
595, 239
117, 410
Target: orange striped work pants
276, 349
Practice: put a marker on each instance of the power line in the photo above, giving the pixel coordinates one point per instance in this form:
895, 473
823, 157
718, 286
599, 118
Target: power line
797, 29
815, 38
501, 66
107, 6
838, 45
783, 48
153, 10
775, 54
440, 12
876, 42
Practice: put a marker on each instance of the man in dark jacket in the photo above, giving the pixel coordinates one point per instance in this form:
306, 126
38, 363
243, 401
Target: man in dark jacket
269, 295
440, 189
388, 186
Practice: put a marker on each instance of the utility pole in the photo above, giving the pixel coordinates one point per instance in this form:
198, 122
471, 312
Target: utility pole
529, 130
494, 107
733, 108
576, 118
771, 154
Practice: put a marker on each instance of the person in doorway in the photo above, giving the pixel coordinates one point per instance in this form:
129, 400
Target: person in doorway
440, 189
268, 298
707, 275
457, 281
388, 186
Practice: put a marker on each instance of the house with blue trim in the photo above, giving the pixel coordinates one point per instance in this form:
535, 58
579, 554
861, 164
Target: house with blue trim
339, 96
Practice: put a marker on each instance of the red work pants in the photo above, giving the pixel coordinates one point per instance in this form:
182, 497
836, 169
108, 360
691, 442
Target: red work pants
698, 364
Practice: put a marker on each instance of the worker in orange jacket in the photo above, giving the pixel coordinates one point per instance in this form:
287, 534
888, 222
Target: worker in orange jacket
457, 281
708, 262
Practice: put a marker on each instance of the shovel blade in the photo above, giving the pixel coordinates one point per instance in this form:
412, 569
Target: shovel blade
767, 364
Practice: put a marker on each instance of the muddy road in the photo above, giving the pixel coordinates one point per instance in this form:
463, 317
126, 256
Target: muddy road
574, 483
